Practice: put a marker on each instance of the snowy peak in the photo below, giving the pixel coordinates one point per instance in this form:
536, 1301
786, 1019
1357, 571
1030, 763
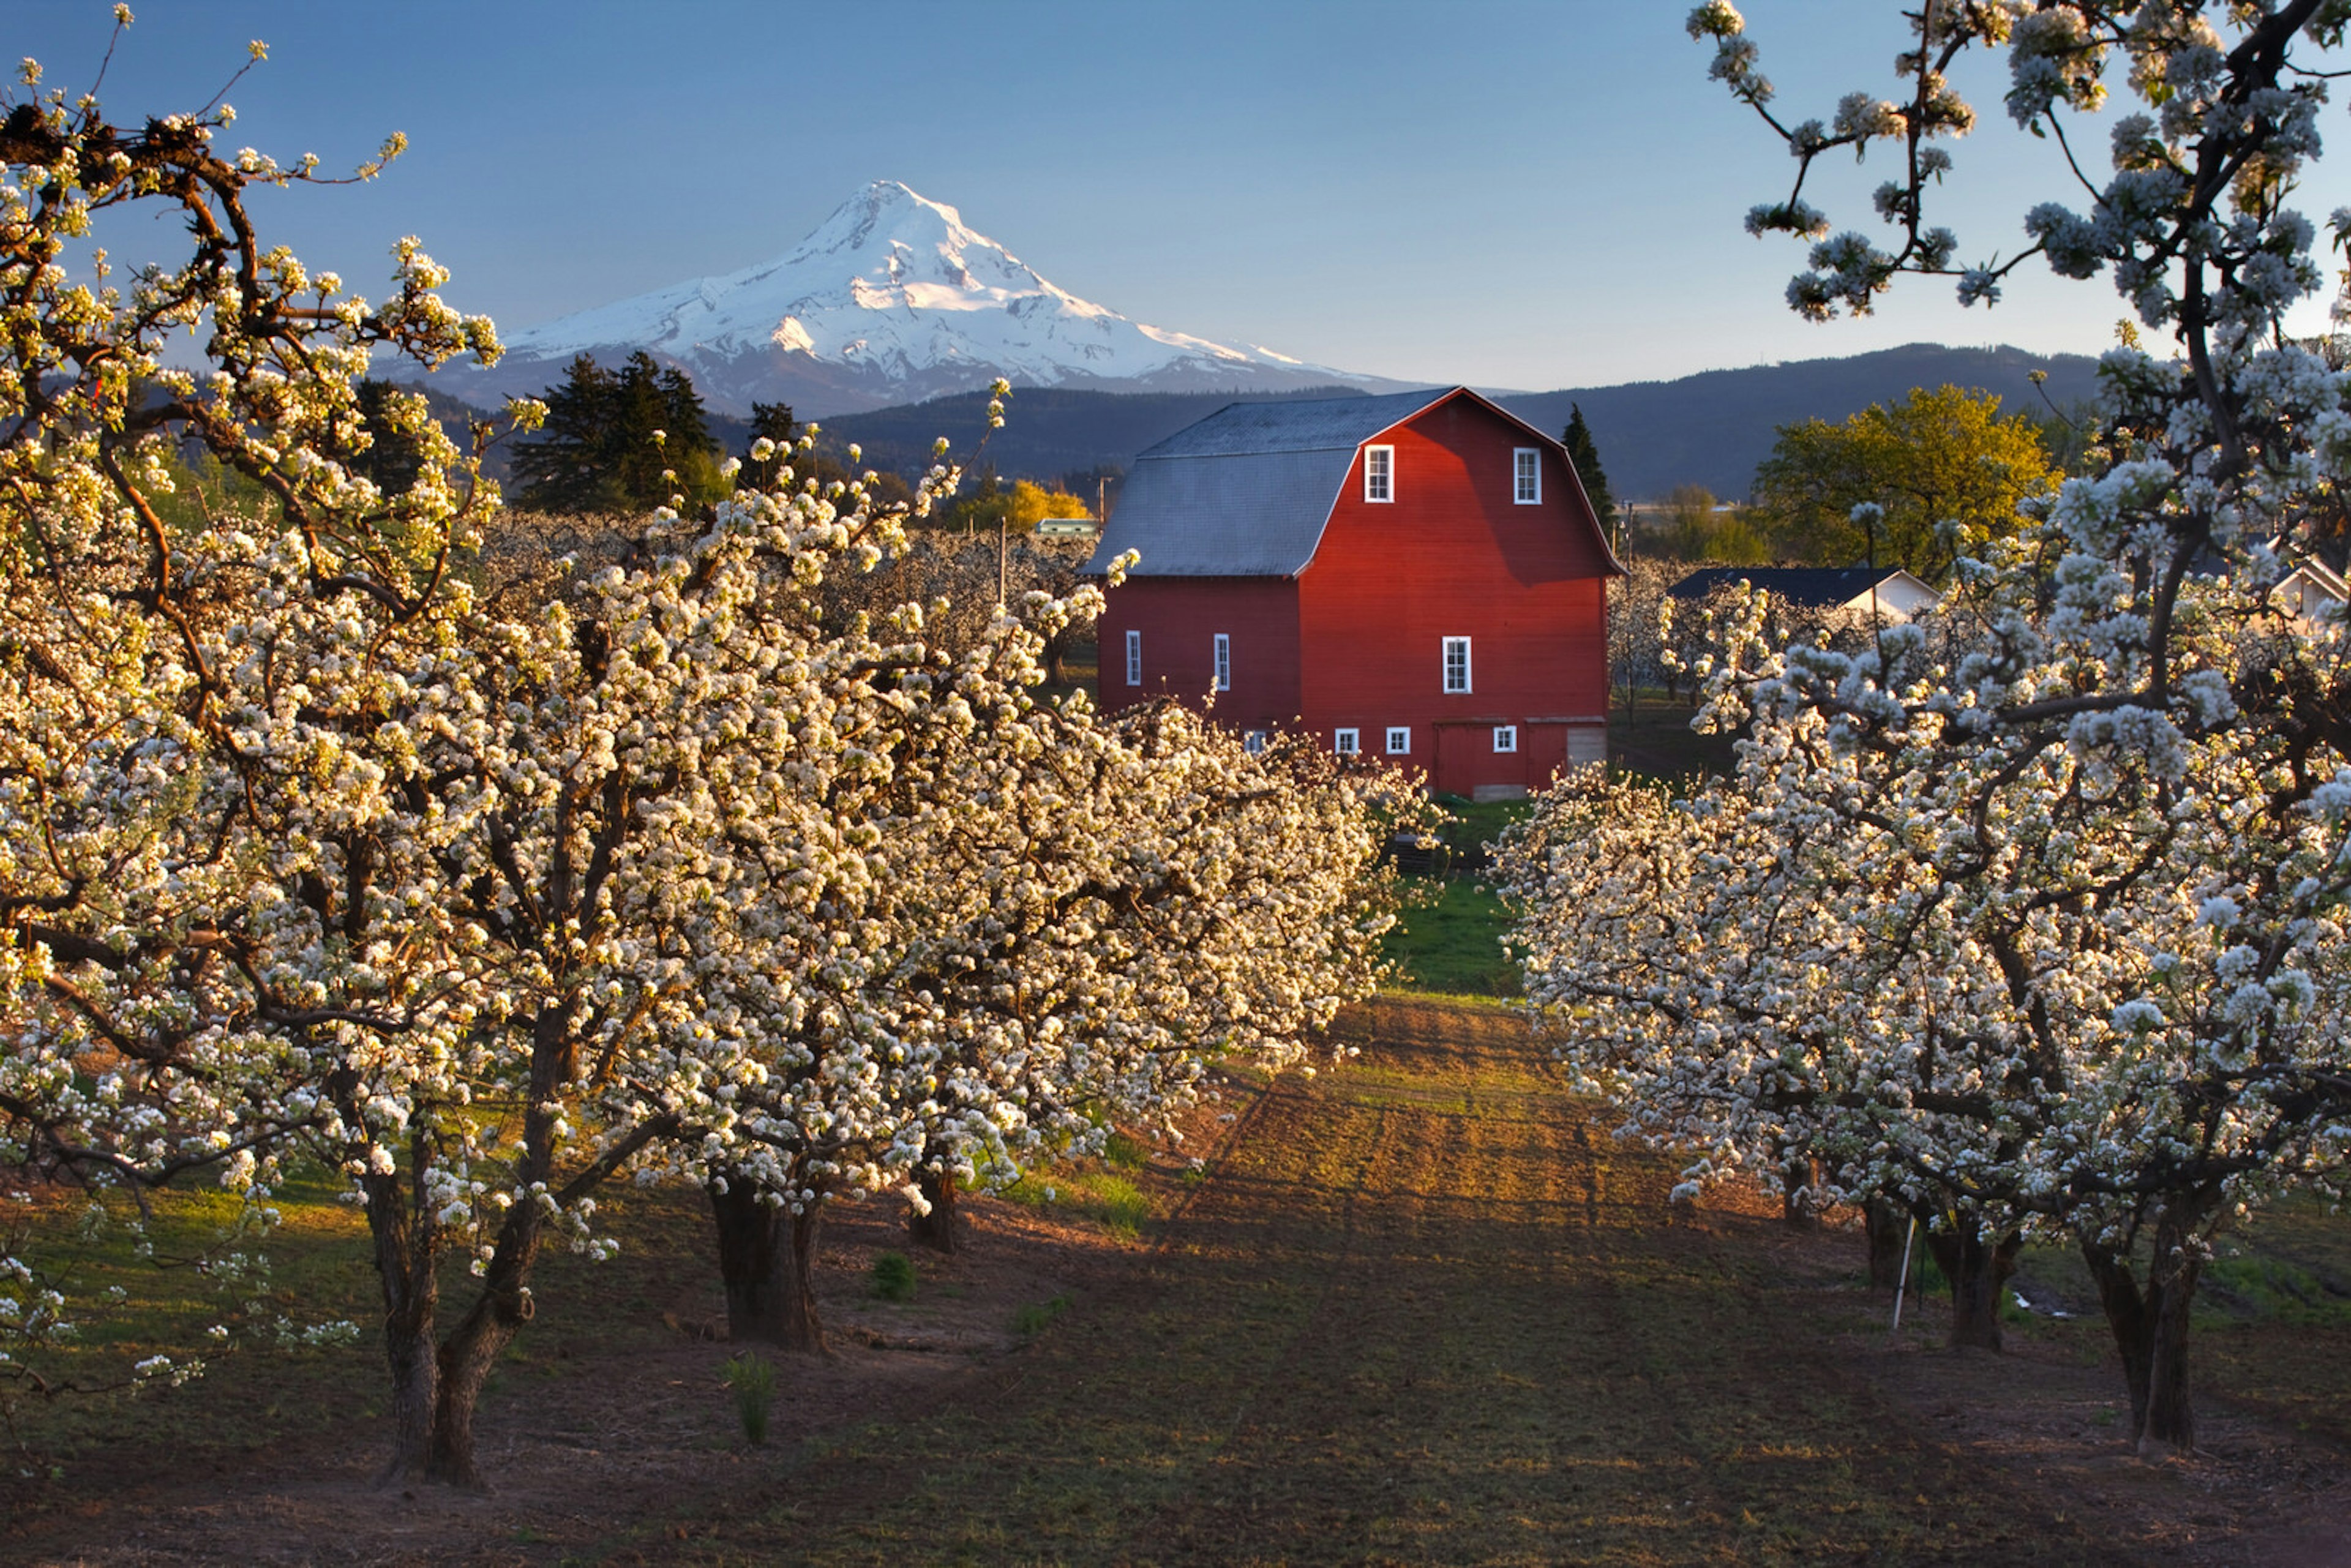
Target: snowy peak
894, 298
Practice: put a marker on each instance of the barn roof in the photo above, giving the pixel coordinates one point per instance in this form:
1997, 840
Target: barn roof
1246, 491
1816, 587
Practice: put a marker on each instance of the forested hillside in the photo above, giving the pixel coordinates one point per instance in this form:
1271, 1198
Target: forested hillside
1710, 428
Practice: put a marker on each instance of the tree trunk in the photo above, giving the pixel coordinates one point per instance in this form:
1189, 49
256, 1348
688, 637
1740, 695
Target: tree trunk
1886, 1226
1800, 1204
1979, 1272
2150, 1326
936, 1229
404, 1266
766, 1259
472, 1350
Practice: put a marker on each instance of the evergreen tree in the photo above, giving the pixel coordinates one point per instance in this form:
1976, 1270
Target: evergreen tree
1586, 458
774, 422
568, 468
610, 438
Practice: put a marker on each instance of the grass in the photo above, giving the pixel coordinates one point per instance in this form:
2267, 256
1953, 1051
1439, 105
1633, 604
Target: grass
1426, 1311
751, 1379
1452, 943
1030, 1320
257, 1393
1086, 1189
894, 1277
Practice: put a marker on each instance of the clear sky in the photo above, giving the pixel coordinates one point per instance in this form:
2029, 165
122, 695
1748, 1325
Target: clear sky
1531, 196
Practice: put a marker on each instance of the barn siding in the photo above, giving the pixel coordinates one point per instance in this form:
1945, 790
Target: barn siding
1452, 554
1179, 618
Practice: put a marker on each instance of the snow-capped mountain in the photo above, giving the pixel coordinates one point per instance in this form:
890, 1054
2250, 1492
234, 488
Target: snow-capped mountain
891, 300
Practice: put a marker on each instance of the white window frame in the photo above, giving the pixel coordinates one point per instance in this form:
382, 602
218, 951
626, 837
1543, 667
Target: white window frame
1253, 740
1134, 658
1379, 474
1399, 740
1506, 739
1347, 742
1526, 476
1444, 666
1224, 660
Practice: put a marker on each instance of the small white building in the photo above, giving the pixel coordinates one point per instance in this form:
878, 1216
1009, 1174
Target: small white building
2312, 595
1889, 593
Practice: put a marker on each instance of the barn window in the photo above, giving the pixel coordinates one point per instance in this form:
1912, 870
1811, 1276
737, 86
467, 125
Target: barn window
1134, 658
1457, 663
1399, 740
1347, 742
1379, 473
1526, 472
1253, 740
1506, 737
1224, 662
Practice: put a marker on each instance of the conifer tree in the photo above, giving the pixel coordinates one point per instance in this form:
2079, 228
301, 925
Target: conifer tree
1585, 455
567, 467
621, 441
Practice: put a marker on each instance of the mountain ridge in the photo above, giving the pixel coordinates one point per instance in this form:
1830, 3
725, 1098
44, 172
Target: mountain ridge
1709, 428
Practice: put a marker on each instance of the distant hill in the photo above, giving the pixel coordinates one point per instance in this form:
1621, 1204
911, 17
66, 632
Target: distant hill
1708, 429
1713, 428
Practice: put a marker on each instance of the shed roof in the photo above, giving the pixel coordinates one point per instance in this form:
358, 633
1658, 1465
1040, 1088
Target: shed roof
1246, 491
1819, 586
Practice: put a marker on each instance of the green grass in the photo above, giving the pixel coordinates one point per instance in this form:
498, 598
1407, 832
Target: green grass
1088, 1190
1030, 1320
1387, 1331
1454, 943
256, 1392
894, 1277
1451, 942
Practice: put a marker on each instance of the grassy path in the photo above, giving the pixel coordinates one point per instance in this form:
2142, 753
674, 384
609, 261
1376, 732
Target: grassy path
1424, 1312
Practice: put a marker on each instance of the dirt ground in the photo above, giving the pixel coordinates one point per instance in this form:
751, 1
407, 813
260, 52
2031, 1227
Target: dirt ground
1421, 1309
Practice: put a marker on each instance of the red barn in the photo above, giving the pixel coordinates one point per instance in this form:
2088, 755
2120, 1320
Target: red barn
1416, 577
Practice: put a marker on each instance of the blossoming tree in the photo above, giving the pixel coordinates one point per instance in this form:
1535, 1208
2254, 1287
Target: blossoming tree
2036, 926
1058, 920
310, 850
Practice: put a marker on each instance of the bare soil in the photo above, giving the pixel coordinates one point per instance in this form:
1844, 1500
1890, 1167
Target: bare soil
1421, 1309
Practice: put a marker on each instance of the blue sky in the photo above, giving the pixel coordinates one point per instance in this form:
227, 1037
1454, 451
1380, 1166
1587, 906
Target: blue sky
1532, 195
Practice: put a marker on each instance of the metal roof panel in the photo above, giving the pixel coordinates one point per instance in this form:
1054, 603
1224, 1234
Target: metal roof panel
1294, 425
1248, 515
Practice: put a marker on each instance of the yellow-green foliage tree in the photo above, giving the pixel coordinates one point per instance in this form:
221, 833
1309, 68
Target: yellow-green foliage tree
1032, 504
1947, 470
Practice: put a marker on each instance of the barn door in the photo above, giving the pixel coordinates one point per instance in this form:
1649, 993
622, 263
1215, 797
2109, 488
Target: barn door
1546, 749
1461, 759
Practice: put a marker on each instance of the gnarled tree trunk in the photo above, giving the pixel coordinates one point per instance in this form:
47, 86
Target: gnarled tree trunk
404, 1266
766, 1257
1800, 1187
436, 1388
1977, 1269
2150, 1324
936, 1228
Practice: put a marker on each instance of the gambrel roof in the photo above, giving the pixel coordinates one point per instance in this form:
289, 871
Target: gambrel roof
1246, 491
